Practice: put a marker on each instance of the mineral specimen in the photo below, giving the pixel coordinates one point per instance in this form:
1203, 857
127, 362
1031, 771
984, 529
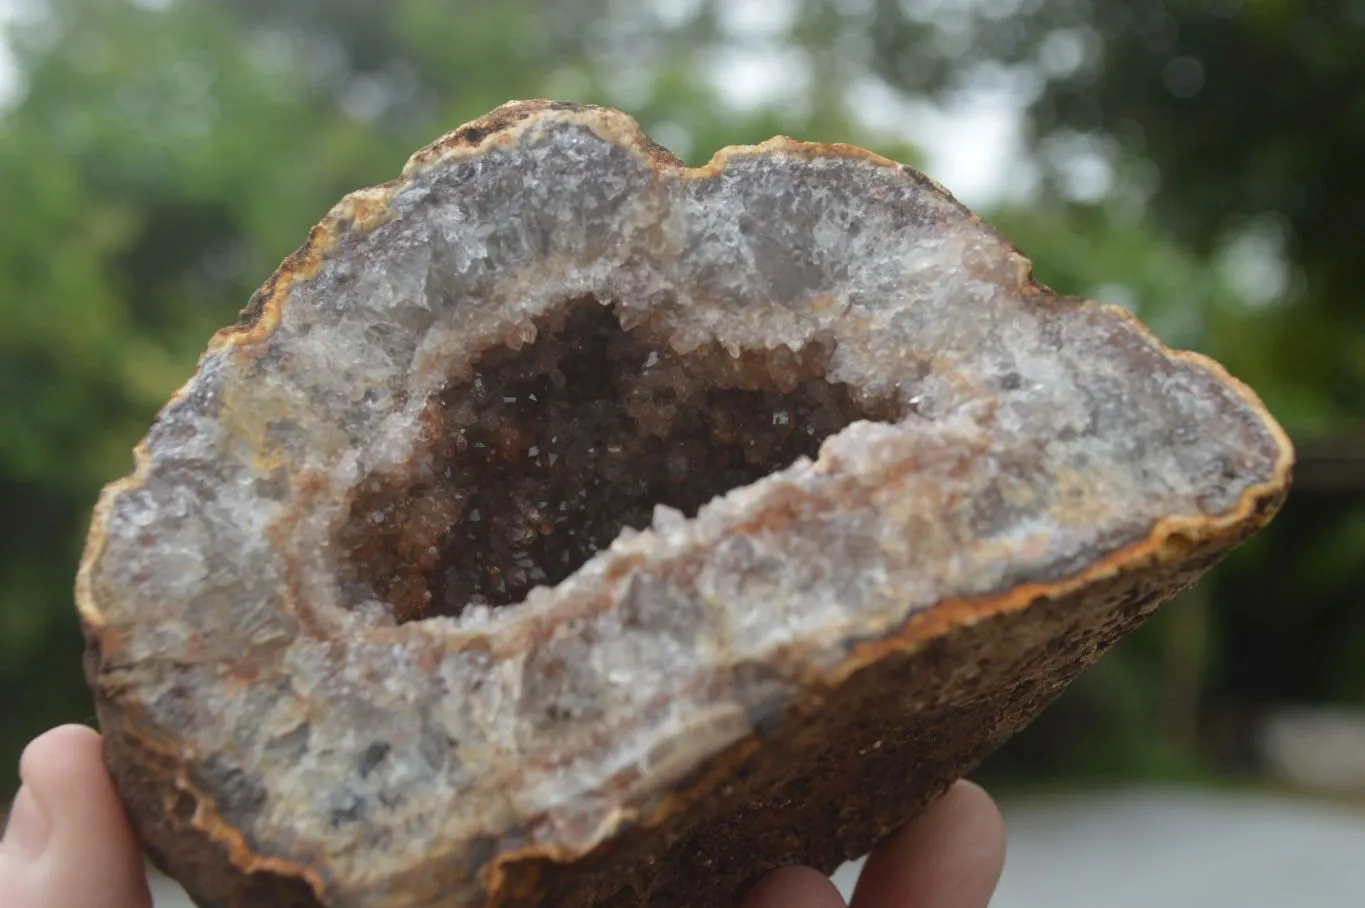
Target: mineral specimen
564, 526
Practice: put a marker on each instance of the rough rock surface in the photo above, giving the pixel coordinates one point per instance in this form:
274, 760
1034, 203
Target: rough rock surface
563, 526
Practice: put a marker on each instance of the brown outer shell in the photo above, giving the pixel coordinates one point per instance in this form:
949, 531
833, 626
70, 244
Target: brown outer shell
991, 662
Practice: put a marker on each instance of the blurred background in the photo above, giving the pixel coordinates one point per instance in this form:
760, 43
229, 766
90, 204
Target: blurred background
1200, 162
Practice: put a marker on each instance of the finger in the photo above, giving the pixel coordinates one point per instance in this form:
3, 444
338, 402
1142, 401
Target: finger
29, 829
794, 887
950, 856
26, 836
90, 857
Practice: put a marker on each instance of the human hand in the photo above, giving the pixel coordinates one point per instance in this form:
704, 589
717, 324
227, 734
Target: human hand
68, 843
950, 856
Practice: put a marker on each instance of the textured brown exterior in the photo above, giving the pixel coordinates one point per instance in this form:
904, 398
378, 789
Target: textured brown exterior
244, 702
849, 769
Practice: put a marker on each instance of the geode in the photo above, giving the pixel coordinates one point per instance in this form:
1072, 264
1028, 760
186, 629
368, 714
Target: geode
566, 526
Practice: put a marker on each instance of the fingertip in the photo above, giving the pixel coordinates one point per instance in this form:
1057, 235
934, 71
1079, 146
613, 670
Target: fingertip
92, 857
950, 856
64, 768
58, 755
794, 887
973, 806
48, 767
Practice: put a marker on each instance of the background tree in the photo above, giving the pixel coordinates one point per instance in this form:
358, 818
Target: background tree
1238, 129
1197, 162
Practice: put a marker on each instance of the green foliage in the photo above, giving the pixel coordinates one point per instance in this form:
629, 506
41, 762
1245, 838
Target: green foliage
163, 157
1242, 124
1235, 132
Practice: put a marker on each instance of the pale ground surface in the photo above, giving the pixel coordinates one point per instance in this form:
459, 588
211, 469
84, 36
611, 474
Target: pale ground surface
1164, 847
1177, 848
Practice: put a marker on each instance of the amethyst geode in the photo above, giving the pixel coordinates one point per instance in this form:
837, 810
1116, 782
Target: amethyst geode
563, 526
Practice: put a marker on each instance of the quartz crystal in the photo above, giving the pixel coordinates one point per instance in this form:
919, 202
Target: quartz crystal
565, 526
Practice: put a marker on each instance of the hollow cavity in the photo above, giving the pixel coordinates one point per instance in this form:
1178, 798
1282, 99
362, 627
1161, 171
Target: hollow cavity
554, 448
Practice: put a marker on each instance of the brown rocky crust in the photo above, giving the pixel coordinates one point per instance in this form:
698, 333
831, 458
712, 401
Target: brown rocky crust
564, 526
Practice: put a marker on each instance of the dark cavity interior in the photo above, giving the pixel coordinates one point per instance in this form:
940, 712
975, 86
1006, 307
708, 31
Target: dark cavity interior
554, 448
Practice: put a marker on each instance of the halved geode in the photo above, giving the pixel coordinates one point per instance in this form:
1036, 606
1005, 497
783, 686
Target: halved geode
564, 526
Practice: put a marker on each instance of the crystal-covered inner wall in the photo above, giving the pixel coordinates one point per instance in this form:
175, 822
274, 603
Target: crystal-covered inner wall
553, 448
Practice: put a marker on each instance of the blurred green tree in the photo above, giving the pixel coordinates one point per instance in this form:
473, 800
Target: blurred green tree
1232, 131
161, 157
1240, 122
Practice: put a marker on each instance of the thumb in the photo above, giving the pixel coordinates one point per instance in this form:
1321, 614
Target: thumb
69, 841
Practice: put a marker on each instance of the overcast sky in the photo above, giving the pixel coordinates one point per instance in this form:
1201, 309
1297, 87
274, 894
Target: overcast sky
973, 149
7, 10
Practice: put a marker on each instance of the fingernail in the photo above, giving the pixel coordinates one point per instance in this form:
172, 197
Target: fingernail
29, 828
